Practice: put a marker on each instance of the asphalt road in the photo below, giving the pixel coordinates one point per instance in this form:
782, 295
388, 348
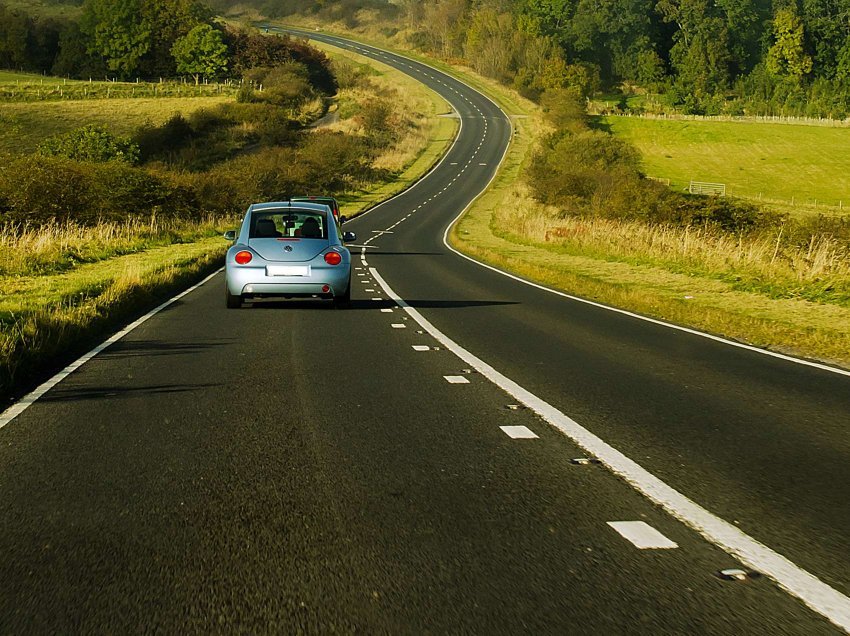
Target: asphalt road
292, 468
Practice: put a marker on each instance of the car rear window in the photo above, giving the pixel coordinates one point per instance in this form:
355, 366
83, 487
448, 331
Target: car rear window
288, 224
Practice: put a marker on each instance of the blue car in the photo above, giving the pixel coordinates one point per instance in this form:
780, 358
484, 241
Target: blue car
290, 250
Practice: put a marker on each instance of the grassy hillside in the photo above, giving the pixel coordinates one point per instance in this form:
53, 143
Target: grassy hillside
63, 285
774, 162
24, 125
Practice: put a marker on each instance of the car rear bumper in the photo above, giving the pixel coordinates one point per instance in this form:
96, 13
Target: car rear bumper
252, 281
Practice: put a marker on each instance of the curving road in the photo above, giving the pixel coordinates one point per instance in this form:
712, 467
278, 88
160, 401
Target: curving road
398, 468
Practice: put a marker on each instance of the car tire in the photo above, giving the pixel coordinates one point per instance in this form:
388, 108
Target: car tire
344, 301
233, 301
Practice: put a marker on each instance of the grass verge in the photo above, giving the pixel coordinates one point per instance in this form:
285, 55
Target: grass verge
47, 320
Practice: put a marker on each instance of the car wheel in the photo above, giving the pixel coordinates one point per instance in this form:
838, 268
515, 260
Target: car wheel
344, 301
233, 301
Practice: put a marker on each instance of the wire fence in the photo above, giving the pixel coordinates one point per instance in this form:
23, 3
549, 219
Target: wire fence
825, 205
50, 89
762, 119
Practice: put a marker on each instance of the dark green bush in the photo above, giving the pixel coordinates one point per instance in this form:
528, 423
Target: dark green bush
38, 189
564, 109
264, 175
90, 143
336, 162
375, 116
156, 142
593, 173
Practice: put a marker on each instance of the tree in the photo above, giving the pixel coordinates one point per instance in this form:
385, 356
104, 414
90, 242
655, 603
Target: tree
73, 58
550, 16
136, 36
787, 57
700, 52
745, 24
842, 71
827, 27
15, 33
444, 20
170, 20
490, 43
116, 33
201, 52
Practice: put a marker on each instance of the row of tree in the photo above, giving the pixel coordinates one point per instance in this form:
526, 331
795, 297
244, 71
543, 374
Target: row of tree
790, 54
149, 39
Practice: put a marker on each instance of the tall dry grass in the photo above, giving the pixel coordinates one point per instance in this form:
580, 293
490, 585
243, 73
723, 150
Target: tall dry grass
52, 305
818, 271
32, 250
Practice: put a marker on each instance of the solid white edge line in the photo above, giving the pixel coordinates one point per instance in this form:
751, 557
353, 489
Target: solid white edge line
655, 321
796, 581
31, 398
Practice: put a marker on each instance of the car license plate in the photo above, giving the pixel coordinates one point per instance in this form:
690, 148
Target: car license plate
287, 270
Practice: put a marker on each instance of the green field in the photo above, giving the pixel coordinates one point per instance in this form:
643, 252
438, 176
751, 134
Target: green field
774, 162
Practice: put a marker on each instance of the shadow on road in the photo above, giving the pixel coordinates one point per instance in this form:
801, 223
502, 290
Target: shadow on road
380, 252
109, 392
134, 348
319, 304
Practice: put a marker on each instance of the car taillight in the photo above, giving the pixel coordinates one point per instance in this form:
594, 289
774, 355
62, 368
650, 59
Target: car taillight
333, 258
243, 258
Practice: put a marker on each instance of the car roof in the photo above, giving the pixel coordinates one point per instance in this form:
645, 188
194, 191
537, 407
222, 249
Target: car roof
283, 205
314, 197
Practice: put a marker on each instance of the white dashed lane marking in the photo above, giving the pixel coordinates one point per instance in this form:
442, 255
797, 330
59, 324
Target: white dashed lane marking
399, 325
818, 595
421, 348
642, 535
386, 311
456, 379
518, 432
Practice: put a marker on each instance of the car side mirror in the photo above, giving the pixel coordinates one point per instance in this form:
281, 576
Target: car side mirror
349, 236
230, 235
343, 219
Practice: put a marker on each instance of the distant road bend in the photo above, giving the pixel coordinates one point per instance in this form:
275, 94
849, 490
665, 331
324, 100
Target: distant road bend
403, 467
